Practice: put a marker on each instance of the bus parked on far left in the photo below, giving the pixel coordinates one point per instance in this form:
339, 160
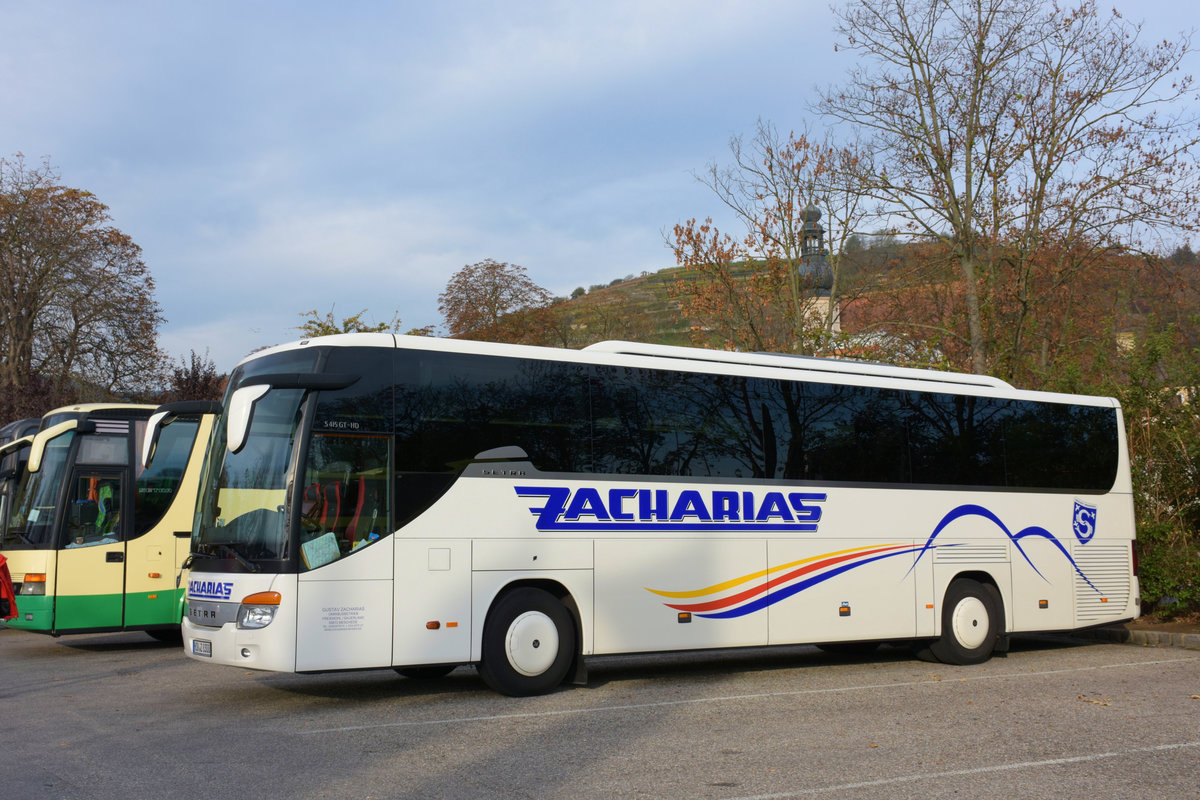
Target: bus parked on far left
94, 540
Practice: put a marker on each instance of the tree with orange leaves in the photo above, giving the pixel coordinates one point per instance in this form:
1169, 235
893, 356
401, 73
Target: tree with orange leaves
494, 301
78, 318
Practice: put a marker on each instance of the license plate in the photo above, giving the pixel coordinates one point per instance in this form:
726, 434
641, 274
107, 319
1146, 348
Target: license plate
201, 648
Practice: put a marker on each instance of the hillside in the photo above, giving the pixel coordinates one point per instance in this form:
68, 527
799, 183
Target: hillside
636, 308
639, 307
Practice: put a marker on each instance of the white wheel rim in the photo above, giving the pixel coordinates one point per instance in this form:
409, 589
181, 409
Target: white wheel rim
970, 622
532, 643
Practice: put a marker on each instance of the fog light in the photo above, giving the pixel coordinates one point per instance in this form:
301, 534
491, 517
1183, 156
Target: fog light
245, 652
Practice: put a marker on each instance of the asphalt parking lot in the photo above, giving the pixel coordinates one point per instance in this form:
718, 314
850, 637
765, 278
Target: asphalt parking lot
121, 716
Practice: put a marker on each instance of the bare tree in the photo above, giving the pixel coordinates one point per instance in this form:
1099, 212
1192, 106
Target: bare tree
195, 378
1005, 126
773, 186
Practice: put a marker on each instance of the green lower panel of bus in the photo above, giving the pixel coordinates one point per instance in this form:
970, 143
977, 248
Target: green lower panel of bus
34, 613
143, 610
89, 612
83, 611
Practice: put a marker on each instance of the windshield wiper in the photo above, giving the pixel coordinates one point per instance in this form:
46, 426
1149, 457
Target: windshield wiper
221, 550
225, 550
249, 565
23, 538
192, 556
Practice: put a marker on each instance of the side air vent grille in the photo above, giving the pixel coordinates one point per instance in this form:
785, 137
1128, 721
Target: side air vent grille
1102, 591
972, 554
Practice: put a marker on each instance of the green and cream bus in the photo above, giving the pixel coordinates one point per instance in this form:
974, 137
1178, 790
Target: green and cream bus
380, 501
94, 541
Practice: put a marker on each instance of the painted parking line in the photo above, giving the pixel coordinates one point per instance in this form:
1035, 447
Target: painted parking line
958, 773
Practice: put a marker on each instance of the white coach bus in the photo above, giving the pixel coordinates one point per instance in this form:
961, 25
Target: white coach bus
372, 500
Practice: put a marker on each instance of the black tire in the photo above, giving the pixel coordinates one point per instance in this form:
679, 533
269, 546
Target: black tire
850, 649
971, 621
528, 643
167, 635
426, 673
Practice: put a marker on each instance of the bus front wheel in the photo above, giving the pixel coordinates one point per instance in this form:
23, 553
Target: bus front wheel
528, 643
971, 619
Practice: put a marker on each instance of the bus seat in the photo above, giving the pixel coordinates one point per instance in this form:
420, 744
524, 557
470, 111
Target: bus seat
331, 512
322, 503
360, 491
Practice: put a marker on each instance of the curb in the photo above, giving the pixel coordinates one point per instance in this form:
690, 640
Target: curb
1121, 635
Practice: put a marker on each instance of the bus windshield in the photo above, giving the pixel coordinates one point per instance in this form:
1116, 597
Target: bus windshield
243, 502
37, 496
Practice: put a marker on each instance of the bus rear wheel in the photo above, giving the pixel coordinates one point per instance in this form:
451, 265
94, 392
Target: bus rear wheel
971, 620
528, 643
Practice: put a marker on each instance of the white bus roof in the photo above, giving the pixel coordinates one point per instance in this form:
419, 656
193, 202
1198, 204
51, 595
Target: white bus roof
818, 368
812, 364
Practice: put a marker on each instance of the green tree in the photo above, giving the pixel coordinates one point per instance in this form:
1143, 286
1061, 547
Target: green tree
78, 318
1158, 383
329, 325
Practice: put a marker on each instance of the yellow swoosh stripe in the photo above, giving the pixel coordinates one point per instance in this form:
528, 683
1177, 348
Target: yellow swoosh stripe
729, 584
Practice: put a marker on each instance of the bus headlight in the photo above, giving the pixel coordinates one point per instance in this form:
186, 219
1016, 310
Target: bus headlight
255, 616
34, 584
257, 610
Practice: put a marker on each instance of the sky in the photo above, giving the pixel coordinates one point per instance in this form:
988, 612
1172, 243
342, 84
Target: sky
272, 158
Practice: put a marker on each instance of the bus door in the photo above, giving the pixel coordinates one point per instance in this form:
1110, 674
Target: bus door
91, 562
344, 594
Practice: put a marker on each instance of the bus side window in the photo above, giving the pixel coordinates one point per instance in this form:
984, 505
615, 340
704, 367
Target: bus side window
345, 490
94, 511
155, 488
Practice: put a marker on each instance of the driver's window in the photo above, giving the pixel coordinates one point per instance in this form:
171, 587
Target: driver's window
93, 513
344, 500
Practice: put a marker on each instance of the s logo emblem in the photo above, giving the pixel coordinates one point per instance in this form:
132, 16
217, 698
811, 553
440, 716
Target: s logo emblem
1084, 522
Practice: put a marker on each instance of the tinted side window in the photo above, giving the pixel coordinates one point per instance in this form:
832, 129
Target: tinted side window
366, 405
156, 487
629, 421
1057, 446
853, 434
956, 439
451, 407
653, 422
